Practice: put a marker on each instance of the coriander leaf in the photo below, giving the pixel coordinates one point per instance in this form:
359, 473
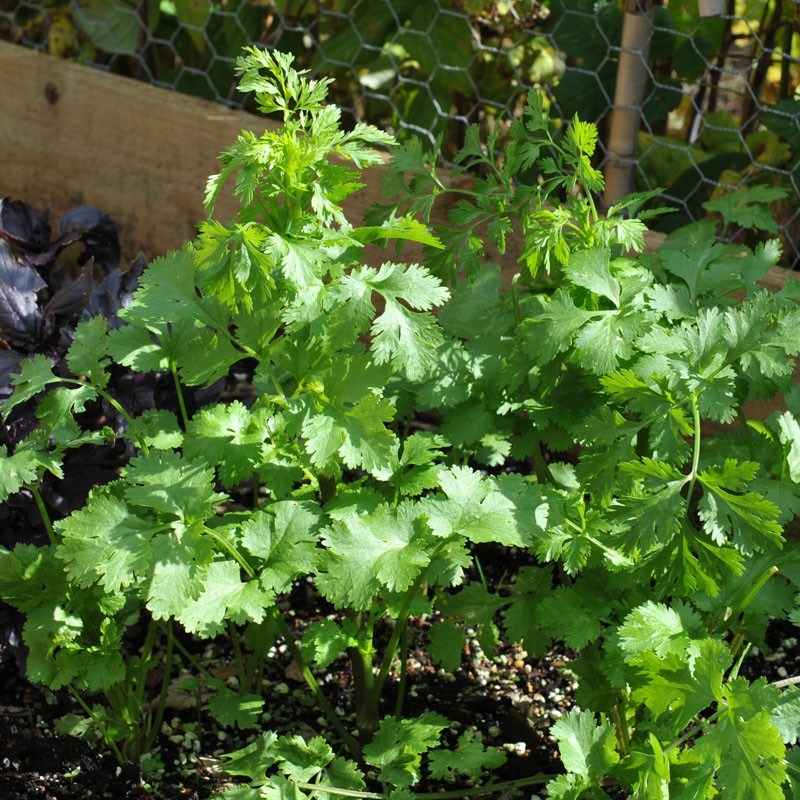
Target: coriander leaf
747, 207
785, 715
469, 758
254, 760
386, 549
230, 438
232, 708
586, 747
656, 628
677, 687
402, 334
166, 482
568, 615
284, 536
790, 439
167, 294
176, 578
727, 509
302, 759
56, 412
590, 269
35, 374
87, 353
327, 640
159, 429
106, 542
222, 596
355, 431
445, 643
484, 510
16, 471
137, 347
398, 744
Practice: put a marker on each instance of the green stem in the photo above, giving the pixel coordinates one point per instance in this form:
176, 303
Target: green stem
619, 718
192, 660
297, 654
403, 681
238, 557
696, 450
455, 794
46, 521
155, 724
238, 657
173, 367
115, 404
362, 657
139, 679
98, 724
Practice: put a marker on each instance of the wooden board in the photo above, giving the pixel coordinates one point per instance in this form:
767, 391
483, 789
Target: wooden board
71, 134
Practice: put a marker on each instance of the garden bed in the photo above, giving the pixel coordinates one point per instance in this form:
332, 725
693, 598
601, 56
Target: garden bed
260, 453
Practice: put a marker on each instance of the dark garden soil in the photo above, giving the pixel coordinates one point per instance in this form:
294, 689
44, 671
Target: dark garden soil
511, 700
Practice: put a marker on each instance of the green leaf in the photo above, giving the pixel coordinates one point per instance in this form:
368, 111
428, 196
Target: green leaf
254, 760
159, 429
302, 759
17, 470
727, 509
229, 437
166, 482
748, 207
470, 758
365, 554
224, 596
790, 438
590, 269
87, 353
138, 348
398, 745
508, 510
745, 746
445, 643
284, 536
586, 747
35, 375
235, 709
106, 542
328, 639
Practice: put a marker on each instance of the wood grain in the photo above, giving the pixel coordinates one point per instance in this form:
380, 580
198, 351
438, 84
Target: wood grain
71, 134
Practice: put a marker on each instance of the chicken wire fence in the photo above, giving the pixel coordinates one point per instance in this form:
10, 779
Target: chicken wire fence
710, 88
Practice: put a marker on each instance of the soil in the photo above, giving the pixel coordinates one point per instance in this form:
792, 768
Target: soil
511, 700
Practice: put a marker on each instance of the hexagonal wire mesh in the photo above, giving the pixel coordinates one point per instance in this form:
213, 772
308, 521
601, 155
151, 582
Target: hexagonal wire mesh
720, 108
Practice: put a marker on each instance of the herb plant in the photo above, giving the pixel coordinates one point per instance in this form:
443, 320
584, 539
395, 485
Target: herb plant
380, 444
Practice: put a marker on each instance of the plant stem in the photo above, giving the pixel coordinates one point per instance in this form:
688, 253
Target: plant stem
402, 683
455, 794
173, 367
297, 654
619, 717
110, 742
239, 658
155, 723
238, 557
696, 450
115, 404
46, 521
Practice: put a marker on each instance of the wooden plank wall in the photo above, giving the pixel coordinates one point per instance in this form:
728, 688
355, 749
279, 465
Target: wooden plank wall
71, 134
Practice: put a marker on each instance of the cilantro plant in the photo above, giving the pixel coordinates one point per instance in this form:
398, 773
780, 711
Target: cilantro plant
623, 382
596, 421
